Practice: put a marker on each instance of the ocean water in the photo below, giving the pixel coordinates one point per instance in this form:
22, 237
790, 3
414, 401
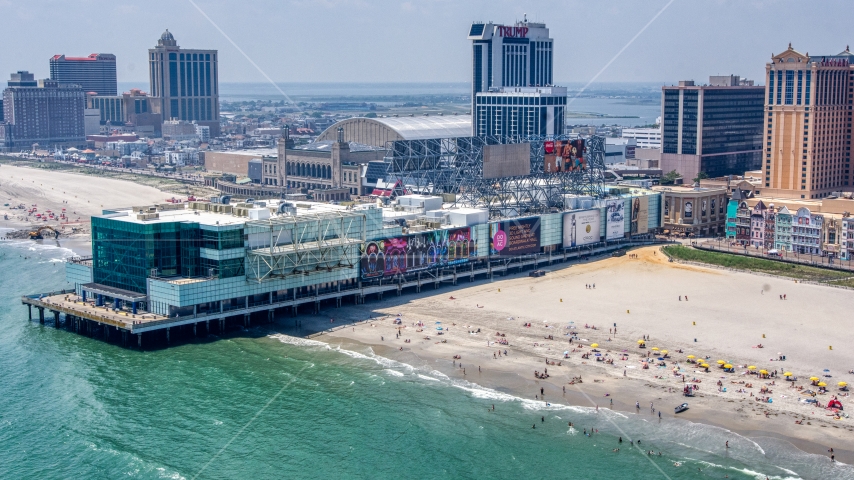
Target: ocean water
266, 405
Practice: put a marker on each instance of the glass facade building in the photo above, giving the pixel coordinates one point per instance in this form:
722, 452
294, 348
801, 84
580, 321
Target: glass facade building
186, 82
716, 130
520, 112
95, 73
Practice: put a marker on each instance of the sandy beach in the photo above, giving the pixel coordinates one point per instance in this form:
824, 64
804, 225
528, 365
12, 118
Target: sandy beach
82, 196
728, 314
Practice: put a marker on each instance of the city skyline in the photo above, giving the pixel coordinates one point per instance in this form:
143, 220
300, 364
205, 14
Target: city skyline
422, 41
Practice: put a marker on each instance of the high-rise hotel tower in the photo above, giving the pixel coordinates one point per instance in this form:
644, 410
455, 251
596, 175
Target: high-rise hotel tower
512, 81
808, 110
185, 82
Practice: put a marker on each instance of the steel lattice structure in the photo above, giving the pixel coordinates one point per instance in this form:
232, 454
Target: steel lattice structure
455, 166
297, 245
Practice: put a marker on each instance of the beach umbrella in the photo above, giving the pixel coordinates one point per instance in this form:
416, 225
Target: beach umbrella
705, 365
826, 370
437, 323
752, 367
691, 356
822, 384
594, 345
721, 362
843, 384
814, 379
565, 352
763, 372
787, 374
727, 366
654, 348
664, 352
641, 342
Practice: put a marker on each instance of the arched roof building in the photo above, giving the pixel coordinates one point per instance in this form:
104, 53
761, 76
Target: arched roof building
378, 131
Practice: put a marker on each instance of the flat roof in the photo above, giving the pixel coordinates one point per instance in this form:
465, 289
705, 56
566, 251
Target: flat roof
257, 152
203, 217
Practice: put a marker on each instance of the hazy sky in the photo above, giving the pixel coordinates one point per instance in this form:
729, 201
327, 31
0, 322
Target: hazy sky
424, 40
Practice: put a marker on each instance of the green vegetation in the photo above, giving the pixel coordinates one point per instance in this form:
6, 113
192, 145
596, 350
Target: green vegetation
700, 176
847, 282
669, 178
750, 264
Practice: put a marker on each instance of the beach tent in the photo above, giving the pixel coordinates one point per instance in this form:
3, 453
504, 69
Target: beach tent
834, 404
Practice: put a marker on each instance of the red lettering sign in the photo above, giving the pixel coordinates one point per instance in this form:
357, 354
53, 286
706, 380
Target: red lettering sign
512, 32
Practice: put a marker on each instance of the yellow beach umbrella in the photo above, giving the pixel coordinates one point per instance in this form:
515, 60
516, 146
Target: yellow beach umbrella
763, 372
664, 352
594, 345
752, 367
727, 366
843, 384
787, 374
721, 362
654, 348
704, 365
814, 379
822, 384
641, 342
691, 356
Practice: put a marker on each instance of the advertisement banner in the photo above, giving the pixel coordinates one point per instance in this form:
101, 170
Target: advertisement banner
461, 246
615, 220
688, 208
413, 253
643, 215
580, 228
563, 155
515, 237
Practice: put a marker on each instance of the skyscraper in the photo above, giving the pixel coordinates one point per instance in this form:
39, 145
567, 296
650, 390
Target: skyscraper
512, 75
808, 110
43, 112
186, 82
510, 56
95, 73
715, 129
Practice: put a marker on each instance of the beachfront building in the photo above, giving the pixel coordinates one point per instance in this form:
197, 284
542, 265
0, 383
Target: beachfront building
694, 211
42, 112
808, 113
770, 224
715, 129
193, 262
783, 230
846, 238
807, 232
757, 225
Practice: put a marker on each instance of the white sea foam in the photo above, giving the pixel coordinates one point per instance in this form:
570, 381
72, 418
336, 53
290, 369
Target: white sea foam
425, 377
300, 342
394, 373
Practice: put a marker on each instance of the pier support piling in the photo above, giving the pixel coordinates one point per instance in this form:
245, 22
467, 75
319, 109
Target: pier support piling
41, 314
194, 330
167, 335
139, 340
30, 311
56, 318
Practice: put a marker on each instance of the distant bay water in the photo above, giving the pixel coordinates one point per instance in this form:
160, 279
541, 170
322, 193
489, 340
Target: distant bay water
638, 103
264, 406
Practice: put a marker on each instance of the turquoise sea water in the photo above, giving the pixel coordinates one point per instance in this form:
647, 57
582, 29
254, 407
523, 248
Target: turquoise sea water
261, 406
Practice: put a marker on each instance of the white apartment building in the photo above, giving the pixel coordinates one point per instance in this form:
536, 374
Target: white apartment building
645, 137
